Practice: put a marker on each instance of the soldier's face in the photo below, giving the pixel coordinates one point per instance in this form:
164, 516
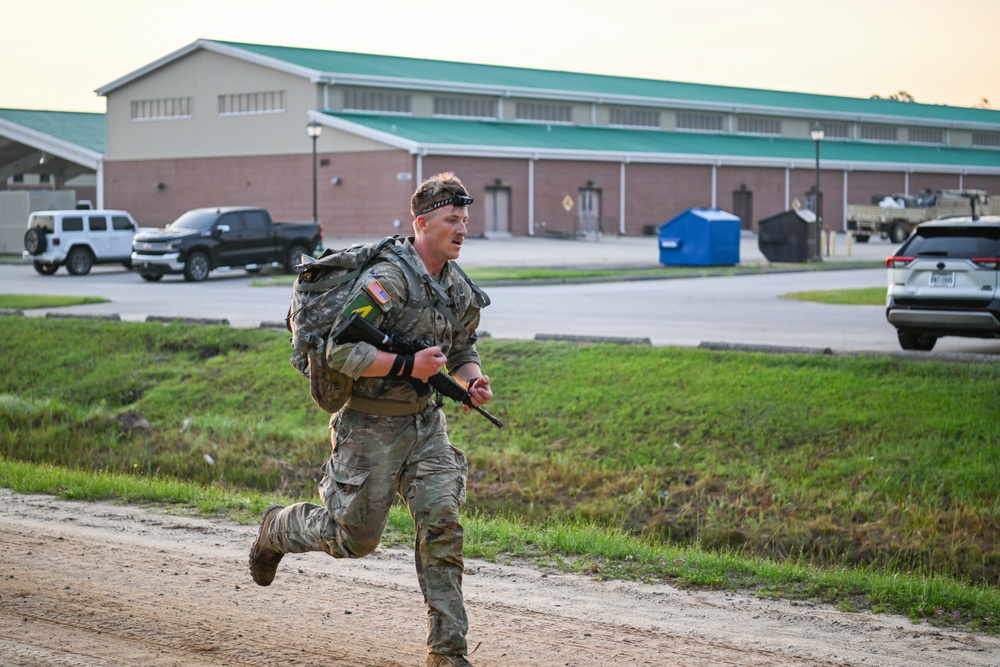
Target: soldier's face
444, 231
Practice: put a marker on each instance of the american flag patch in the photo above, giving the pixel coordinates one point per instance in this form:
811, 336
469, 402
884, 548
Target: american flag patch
379, 294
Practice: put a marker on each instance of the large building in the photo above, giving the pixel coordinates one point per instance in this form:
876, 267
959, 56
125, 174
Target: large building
543, 152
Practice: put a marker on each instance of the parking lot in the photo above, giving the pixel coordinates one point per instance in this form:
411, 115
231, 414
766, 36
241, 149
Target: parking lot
744, 310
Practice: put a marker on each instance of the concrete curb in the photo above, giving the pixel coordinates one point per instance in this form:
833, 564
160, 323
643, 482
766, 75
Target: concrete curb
770, 349
83, 316
617, 340
187, 320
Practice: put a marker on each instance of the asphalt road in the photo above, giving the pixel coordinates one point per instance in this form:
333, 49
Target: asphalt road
735, 311
746, 310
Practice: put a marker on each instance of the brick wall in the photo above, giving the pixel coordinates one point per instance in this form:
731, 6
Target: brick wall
371, 193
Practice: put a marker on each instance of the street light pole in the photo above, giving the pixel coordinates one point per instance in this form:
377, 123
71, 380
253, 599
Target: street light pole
817, 133
314, 129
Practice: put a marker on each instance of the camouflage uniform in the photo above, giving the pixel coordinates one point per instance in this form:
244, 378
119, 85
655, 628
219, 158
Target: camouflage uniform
390, 439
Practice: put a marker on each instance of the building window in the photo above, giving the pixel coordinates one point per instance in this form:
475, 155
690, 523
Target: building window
924, 135
836, 131
634, 117
377, 100
466, 107
167, 108
986, 139
758, 125
699, 122
544, 111
878, 133
243, 104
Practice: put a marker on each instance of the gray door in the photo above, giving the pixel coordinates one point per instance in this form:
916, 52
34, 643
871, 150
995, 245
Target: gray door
743, 206
589, 212
497, 211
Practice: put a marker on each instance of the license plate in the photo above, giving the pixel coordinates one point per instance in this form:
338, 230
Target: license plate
943, 279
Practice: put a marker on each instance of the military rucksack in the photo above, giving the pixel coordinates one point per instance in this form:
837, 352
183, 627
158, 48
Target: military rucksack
320, 295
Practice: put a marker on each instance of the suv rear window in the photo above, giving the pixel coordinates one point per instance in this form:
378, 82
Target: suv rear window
46, 222
72, 224
954, 242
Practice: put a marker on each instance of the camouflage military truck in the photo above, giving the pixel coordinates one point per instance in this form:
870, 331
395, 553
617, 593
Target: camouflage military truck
896, 222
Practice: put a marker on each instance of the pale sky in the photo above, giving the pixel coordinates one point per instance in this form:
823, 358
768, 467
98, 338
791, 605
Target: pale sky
55, 53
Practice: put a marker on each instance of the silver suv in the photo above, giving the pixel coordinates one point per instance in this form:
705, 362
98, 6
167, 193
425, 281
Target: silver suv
78, 239
943, 281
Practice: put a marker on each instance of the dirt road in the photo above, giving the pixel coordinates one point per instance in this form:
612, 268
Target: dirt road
102, 585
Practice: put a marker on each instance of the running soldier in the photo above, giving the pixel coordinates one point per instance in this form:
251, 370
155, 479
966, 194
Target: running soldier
391, 436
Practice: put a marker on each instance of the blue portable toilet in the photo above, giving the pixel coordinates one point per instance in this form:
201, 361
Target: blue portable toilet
701, 237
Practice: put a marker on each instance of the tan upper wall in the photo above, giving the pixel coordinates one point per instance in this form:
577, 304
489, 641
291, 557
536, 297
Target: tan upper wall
202, 76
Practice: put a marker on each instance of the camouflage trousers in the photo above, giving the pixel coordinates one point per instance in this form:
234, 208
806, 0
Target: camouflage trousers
374, 459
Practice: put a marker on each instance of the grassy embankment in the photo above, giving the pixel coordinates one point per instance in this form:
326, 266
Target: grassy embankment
867, 481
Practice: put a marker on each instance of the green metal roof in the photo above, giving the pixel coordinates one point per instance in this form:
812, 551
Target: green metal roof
85, 130
600, 142
332, 63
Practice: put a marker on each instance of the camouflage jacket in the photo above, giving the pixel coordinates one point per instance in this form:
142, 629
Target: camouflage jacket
384, 295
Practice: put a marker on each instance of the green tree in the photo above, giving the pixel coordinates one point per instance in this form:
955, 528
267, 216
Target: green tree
901, 96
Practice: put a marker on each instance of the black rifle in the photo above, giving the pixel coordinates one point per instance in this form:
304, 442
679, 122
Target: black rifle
357, 330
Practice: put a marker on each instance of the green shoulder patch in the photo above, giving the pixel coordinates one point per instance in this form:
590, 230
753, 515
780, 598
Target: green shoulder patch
364, 305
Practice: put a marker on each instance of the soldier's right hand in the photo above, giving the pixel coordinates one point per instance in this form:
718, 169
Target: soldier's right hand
427, 363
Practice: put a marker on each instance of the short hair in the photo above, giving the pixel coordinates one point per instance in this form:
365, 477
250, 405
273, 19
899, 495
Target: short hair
434, 189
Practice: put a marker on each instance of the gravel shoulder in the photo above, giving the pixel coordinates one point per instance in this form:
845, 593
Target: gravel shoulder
106, 585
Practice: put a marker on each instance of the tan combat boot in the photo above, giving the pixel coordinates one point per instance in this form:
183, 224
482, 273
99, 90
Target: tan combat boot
264, 558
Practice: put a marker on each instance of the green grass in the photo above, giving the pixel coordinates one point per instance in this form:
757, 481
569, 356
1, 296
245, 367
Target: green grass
29, 301
750, 471
865, 296
528, 274
487, 275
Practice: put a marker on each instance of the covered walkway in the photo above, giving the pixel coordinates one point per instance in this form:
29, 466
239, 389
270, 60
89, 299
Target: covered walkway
60, 144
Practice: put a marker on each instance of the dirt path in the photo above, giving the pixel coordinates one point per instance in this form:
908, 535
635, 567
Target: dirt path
101, 585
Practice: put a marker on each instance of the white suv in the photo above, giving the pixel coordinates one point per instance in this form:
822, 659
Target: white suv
79, 239
945, 281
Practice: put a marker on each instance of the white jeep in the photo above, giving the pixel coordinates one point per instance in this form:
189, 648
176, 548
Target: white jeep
79, 239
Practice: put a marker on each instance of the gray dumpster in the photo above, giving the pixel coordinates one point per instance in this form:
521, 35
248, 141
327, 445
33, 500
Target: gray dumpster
789, 236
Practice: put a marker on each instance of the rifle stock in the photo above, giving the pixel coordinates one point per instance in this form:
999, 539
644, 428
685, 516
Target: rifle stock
358, 330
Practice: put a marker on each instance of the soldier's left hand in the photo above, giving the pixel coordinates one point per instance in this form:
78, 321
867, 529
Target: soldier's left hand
480, 392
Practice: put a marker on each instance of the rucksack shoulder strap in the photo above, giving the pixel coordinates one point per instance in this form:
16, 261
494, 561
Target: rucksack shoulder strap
482, 298
417, 279
400, 257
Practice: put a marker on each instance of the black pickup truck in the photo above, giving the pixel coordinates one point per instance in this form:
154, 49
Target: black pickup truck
206, 239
